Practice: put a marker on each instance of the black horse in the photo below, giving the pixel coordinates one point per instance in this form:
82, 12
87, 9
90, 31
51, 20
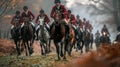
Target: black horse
105, 39
15, 33
97, 41
27, 34
91, 40
79, 39
86, 39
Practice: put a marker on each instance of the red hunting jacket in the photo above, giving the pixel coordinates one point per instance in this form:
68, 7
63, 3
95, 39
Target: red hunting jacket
15, 18
46, 19
62, 9
27, 14
79, 21
72, 18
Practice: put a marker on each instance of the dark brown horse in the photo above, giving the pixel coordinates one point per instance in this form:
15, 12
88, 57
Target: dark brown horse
15, 33
86, 39
79, 40
58, 34
27, 34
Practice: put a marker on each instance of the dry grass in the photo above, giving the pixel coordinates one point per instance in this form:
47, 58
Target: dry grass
107, 56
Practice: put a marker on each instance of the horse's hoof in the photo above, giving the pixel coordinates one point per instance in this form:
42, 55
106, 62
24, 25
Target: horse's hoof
61, 55
58, 59
42, 53
64, 58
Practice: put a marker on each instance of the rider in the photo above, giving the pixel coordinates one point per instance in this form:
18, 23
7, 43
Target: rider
15, 18
79, 22
84, 24
45, 18
105, 30
70, 18
97, 34
58, 7
118, 35
29, 14
89, 26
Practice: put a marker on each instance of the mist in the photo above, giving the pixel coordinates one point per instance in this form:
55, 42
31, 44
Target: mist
85, 8
89, 10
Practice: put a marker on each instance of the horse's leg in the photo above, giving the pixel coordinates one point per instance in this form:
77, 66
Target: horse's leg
37, 34
41, 44
65, 49
57, 50
31, 46
26, 50
82, 45
61, 54
45, 48
91, 44
69, 48
17, 48
49, 45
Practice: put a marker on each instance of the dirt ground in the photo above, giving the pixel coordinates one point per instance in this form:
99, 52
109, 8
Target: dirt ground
106, 56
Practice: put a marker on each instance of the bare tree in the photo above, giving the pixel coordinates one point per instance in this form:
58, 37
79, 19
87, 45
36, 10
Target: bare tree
109, 6
6, 6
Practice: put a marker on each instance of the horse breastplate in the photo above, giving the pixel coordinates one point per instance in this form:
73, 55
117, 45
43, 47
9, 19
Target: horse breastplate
41, 20
17, 19
58, 9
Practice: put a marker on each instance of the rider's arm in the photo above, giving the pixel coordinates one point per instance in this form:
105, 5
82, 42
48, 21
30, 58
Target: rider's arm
64, 9
47, 20
52, 12
22, 15
73, 20
12, 20
37, 22
32, 16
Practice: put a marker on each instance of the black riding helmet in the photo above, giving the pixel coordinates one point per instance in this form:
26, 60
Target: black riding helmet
57, 1
78, 16
69, 11
17, 12
42, 11
25, 8
84, 19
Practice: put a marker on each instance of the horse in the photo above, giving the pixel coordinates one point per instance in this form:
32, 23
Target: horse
71, 40
58, 34
105, 39
79, 39
86, 39
91, 40
27, 34
15, 33
97, 41
43, 36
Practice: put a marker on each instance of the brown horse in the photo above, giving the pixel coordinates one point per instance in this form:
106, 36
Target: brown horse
27, 34
70, 40
58, 34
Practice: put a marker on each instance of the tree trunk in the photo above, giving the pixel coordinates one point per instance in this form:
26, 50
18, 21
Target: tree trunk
116, 12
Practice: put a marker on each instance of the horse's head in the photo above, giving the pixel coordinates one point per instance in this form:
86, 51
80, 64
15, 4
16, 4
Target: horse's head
57, 16
16, 23
26, 20
41, 20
